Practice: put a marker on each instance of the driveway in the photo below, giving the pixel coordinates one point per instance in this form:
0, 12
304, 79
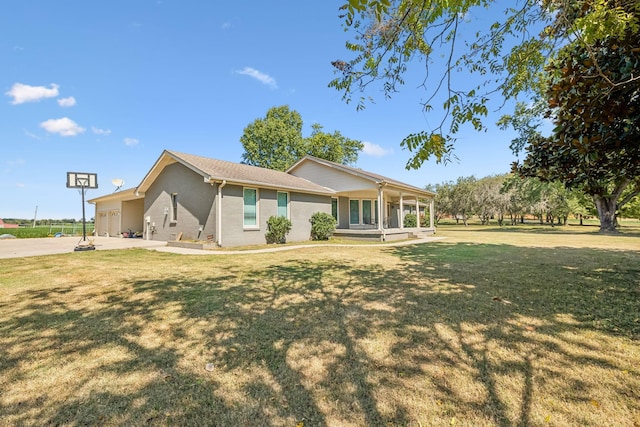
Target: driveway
18, 248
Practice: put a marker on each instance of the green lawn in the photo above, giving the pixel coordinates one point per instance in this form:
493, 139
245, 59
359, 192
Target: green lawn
512, 326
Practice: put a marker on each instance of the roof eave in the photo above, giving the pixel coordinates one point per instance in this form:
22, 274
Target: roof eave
325, 191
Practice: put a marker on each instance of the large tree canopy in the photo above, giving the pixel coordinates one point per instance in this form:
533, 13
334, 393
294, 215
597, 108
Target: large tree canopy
593, 97
276, 142
508, 54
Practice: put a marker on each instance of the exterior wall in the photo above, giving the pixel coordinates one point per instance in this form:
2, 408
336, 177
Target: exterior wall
132, 215
301, 207
332, 178
196, 213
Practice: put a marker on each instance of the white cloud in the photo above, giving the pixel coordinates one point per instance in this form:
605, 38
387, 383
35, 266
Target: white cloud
31, 134
375, 150
22, 93
226, 25
260, 76
131, 142
98, 131
64, 126
20, 184
67, 102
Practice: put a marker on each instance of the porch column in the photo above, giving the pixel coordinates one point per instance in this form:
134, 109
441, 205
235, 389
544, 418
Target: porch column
401, 212
417, 212
380, 200
431, 210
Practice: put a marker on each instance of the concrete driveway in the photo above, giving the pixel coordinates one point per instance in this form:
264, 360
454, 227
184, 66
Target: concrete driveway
18, 248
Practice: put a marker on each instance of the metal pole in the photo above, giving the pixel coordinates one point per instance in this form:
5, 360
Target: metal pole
84, 228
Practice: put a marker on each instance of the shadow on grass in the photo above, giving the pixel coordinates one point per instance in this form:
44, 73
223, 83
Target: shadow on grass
479, 331
569, 229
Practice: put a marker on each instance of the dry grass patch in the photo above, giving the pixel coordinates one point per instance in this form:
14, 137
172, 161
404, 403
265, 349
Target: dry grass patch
488, 327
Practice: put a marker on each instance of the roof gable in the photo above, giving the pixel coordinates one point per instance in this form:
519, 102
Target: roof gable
362, 174
221, 170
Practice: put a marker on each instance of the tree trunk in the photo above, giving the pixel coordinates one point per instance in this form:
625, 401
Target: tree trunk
606, 207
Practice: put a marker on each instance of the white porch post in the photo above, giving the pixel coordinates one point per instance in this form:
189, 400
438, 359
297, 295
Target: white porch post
431, 212
417, 212
401, 211
380, 200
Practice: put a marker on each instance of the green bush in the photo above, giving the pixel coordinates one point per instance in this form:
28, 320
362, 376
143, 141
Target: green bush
277, 229
322, 226
410, 220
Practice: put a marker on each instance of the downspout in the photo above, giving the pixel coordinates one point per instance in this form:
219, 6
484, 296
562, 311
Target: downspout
219, 213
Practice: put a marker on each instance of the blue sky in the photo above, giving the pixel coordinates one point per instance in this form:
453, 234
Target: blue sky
104, 87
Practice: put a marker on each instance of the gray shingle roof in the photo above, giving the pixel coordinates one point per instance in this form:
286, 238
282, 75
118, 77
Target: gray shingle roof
246, 174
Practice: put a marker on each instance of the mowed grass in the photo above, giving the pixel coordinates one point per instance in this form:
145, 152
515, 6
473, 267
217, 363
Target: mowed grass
519, 326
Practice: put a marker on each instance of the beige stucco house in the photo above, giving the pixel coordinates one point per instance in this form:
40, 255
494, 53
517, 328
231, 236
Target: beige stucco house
191, 197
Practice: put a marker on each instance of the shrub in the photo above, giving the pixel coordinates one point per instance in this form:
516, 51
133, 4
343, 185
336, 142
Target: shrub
277, 229
322, 226
410, 220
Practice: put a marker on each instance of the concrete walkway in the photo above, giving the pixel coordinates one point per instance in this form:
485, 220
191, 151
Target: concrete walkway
186, 251
19, 248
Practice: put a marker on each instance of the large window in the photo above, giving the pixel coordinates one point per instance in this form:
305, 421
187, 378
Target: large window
366, 211
354, 211
174, 206
283, 204
334, 208
250, 207
376, 211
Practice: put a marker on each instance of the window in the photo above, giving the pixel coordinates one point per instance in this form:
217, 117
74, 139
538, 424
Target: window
250, 207
376, 211
334, 208
174, 206
354, 211
366, 211
283, 204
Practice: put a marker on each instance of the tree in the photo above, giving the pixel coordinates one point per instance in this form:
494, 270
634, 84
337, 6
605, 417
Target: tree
389, 37
463, 201
443, 200
489, 200
333, 147
593, 95
276, 142
631, 209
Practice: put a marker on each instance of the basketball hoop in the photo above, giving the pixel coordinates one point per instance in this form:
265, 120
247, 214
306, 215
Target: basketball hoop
83, 181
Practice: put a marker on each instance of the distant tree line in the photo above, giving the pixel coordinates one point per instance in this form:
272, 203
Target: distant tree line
510, 199
42, 222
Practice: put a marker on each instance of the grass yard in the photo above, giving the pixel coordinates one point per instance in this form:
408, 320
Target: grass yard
518, 326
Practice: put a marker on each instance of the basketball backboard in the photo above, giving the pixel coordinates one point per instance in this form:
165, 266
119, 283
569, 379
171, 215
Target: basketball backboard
82, 180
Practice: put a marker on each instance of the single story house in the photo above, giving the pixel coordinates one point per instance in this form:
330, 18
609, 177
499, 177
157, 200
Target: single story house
188, 197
